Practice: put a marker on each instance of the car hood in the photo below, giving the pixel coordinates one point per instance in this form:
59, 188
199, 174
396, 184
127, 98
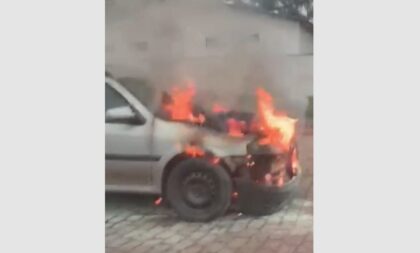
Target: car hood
181, 134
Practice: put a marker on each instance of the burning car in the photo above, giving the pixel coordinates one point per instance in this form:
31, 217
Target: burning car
200, 161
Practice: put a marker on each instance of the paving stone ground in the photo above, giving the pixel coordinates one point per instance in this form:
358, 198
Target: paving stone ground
134, 224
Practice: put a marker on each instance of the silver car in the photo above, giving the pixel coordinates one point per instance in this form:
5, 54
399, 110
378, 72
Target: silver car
146, 153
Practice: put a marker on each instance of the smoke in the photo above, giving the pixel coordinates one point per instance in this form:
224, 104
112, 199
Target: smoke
223, 50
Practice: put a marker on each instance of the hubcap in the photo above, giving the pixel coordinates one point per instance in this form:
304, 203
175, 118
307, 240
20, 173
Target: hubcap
198, 189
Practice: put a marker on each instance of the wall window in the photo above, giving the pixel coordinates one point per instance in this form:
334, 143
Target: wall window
142, 46
212, 42
254, 37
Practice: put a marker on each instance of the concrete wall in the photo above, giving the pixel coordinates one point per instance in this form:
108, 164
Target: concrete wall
227, 52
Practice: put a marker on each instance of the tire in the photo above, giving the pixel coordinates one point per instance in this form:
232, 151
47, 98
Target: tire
198, 190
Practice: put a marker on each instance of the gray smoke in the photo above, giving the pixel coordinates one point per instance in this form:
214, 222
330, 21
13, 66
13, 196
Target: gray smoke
227, 52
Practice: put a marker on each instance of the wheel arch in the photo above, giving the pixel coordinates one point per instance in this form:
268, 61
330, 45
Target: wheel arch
167, 169
178, 158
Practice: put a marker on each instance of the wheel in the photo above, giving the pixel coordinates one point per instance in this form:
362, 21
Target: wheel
199, 190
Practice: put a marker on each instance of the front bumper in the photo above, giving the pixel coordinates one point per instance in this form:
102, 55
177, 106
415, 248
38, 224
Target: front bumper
259, 199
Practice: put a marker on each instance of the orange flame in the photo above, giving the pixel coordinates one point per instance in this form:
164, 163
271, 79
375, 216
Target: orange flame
235, 127
158, 201
217, 108
295, 161
215, 160
193, 151
277, 128
180, 106
268, 178
280, 180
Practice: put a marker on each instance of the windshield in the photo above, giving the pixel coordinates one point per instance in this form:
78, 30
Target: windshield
141, 89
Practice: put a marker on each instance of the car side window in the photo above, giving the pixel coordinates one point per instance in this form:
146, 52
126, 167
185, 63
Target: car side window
113, 99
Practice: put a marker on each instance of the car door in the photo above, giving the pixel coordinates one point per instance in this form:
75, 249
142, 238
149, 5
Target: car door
127, 145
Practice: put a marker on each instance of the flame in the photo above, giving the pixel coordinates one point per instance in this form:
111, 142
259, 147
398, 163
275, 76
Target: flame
280, 180
295, 161
158, 201
268, 178
181, 104
277, 129
280, 183
193, 151
217, 108
215, 160
235, 127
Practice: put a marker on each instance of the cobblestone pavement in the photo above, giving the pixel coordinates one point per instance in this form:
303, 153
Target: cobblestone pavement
134, 224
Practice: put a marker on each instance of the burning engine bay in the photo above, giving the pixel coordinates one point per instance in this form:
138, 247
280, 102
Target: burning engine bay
260, 156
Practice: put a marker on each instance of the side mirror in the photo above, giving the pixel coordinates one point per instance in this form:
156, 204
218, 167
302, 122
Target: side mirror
122, 115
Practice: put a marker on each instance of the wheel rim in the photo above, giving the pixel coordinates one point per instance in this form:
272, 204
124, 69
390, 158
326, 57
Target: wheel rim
199, 190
